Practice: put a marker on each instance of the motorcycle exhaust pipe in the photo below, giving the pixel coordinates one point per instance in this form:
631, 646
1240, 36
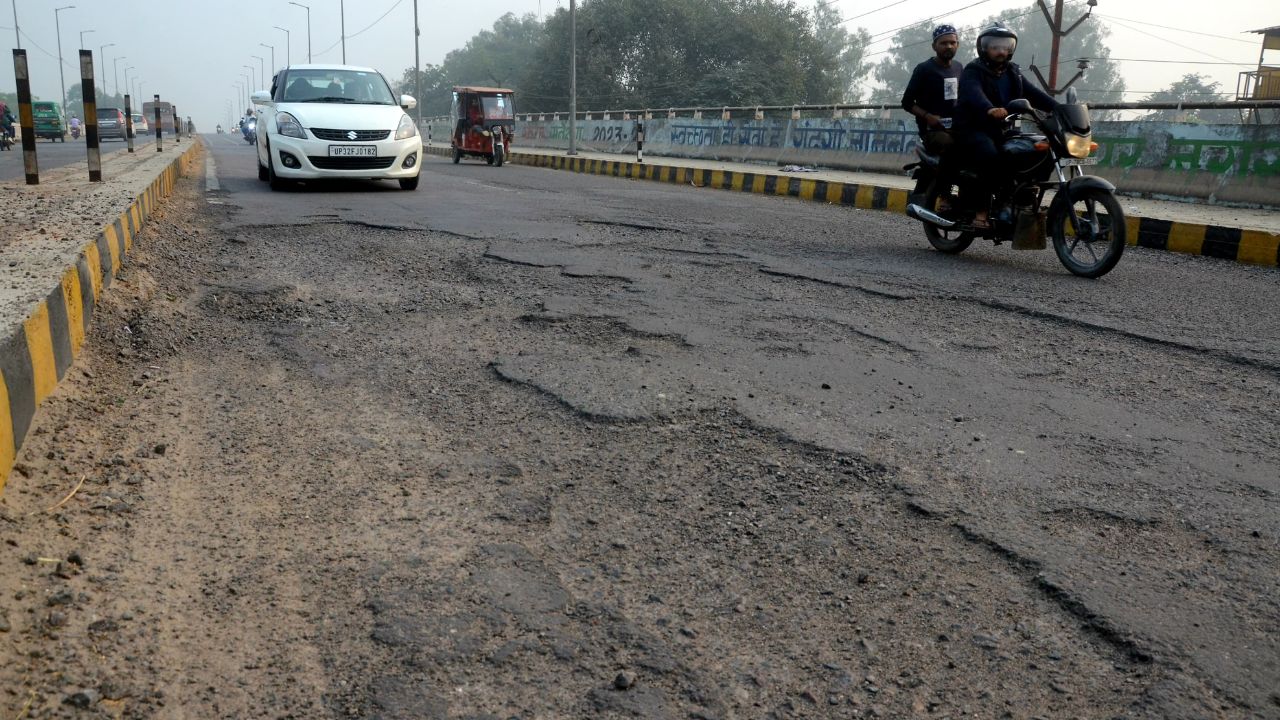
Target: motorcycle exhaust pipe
916, 212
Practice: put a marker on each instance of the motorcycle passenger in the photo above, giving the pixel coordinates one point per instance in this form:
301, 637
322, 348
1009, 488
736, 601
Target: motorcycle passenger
987, 86
933, 90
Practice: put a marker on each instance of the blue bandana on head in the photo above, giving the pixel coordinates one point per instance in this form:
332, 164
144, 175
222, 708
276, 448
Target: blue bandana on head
944, 30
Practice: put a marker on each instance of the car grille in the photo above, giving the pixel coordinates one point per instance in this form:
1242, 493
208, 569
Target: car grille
342, 135
351, 163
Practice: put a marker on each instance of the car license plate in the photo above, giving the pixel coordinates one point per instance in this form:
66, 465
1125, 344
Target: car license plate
353, 151
1080, 161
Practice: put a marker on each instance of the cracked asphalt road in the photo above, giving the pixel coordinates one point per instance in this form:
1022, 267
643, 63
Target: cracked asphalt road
530, 444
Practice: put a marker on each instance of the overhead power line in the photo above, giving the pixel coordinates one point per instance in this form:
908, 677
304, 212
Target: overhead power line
363, 30
1114, 21
1193, 32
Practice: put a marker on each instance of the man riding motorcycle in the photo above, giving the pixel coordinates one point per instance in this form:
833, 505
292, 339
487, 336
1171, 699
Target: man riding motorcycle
987, 86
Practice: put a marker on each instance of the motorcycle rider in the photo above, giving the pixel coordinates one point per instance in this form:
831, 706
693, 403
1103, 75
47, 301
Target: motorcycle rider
6, 126
987, 86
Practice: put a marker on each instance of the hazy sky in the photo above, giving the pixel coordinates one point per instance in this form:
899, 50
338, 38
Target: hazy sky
192, 51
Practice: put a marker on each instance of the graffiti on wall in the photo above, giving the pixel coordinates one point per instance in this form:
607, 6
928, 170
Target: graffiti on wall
1214, 155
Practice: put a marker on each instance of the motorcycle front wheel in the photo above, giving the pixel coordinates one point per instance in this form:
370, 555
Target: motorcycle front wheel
942, 199
1089, 233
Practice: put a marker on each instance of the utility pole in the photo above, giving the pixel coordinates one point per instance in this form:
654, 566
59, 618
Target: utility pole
61, 75
573, 77
342, 20
417, 66
1055, 29
17, 34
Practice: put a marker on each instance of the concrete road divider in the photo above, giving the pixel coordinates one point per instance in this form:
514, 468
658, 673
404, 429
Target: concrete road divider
1257, 247
40, 343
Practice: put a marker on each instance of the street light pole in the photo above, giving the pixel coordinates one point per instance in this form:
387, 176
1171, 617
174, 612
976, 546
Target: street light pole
61, 75
102, 57
273, 58
288, 46
308, 9
342, 20
17, 34
262, 82
115, 72
573, 77
82, 34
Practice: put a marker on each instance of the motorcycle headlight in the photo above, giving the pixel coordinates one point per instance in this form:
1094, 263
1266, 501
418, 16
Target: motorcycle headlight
1079, 145
289, 126
406, 129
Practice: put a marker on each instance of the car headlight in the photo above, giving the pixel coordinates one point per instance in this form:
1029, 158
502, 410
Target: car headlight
289, 126
1079, 145
406, 129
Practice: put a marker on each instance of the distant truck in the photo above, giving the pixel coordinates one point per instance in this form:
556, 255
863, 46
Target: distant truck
166, 115
49, 122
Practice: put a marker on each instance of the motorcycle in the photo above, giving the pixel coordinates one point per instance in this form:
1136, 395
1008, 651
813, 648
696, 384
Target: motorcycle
1084, 219
75, 132
251, 131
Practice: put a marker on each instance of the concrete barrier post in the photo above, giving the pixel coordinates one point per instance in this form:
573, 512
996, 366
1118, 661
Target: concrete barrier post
89, 95
128, 120
26, 119
177, 125
159, 140
640, 141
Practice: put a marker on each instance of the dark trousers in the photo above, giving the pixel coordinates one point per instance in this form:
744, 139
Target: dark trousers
979, 153
937, 143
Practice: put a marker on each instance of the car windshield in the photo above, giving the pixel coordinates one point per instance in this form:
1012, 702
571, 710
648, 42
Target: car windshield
337, 86
108, 114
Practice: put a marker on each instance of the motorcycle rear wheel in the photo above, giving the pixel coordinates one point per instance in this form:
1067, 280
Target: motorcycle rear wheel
951, 242
1089, 235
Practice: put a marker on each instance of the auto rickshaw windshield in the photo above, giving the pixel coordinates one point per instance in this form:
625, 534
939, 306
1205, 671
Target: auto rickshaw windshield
498, 108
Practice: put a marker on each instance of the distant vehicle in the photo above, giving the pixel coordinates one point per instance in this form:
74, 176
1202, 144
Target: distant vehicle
484, 119
140, 124
166, 116
110, 123
49, 121
336, 121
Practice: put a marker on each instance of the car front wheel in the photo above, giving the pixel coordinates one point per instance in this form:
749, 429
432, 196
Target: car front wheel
410, 183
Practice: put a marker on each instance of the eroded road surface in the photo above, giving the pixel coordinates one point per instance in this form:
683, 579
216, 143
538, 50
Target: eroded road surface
530, 444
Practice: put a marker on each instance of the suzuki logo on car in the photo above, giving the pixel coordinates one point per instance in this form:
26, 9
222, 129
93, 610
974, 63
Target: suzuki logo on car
351, 135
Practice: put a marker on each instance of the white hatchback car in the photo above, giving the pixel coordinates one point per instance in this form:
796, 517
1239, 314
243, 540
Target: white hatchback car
335, 121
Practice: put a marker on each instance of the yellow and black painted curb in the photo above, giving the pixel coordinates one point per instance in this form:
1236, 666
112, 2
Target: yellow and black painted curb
41, 350
1255, 247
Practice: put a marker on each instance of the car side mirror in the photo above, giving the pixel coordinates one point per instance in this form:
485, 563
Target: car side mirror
261, 97
1020, 105
408, 102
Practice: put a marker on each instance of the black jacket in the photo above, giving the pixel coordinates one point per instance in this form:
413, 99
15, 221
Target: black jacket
981, 89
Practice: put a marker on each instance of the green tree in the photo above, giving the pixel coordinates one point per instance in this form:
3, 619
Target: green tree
677, 53
435, 87
1193, 87
848, 48
1101, 82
